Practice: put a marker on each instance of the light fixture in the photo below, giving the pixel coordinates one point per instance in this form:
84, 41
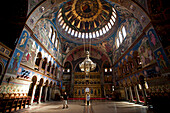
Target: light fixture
87, 65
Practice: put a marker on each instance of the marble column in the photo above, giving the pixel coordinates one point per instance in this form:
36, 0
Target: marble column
131, 94
33, 93
39, 95
126, 94
45, 95
50, 93
144, 94
136, 94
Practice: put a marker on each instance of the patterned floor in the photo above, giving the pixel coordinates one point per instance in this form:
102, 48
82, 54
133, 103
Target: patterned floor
79, 107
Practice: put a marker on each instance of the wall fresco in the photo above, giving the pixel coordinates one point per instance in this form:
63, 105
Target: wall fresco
133, 31
23, 40
30, 52
162, 59
153, 39
15, 62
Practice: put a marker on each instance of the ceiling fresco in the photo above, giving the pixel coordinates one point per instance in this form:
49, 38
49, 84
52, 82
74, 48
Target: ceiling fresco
90, 18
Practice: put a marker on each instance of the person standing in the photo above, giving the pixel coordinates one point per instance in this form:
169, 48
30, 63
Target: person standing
65, 100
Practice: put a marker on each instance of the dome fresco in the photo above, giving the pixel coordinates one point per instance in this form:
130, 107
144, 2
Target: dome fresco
86, 19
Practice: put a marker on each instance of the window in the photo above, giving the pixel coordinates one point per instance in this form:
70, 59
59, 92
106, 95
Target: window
72, 32
56, 42
62, 22
66, 28
94, 35
50, 32
97, 33
59, 15
114, 9
60, 19
100, 32
82, 35
109, 25
90, 35
87, 35
69, 31
79, 35
120, 37
111, 21
64, 25
117, 41
53, 38
104, 31
107, 29
124, 31
76, 33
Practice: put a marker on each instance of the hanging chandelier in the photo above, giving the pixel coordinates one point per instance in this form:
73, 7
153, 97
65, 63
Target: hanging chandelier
87, 65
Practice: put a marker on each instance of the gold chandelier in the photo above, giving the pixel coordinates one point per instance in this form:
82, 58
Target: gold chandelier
87, 65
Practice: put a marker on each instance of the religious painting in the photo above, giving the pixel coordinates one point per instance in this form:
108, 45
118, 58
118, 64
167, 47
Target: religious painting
153, 39
43, 31
30, 53
15, 62
161, 59
23, 40
145, 52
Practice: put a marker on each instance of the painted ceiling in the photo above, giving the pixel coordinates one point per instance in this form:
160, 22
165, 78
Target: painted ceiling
104, 18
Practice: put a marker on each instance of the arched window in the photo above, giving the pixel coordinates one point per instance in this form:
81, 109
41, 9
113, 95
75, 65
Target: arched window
100, 32
117, 42
104, 31
56, 42
53, 37
124, 31
94, 35
120, 36
90, 35
50, 32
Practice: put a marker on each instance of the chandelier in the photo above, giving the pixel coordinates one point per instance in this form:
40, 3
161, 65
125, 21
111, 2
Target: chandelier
87, 65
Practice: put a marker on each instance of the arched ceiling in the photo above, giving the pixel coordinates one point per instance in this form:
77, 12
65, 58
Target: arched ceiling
103, 18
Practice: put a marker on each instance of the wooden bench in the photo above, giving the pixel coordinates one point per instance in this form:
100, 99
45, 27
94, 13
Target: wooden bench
6, 105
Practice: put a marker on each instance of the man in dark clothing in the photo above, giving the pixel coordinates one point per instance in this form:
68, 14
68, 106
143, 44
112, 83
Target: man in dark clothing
65, 100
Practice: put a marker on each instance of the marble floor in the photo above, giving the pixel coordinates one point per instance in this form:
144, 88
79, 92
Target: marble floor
79, 107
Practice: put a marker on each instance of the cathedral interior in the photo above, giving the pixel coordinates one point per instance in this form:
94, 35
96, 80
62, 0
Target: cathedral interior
118, 49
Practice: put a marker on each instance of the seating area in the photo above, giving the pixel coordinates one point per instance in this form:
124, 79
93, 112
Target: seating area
13, 102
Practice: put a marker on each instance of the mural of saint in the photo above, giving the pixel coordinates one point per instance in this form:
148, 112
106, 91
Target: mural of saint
145, 52
153, 39
15, 61
161, 59
23, 40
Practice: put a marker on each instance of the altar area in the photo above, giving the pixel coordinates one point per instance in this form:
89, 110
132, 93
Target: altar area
81, 82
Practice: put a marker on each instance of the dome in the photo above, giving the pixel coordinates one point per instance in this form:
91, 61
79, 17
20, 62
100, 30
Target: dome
86, 19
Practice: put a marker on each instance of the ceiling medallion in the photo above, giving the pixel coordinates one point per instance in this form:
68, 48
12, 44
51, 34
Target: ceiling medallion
86, 8
86, 19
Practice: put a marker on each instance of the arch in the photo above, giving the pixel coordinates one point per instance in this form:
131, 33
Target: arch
41, 82
87, 46
68, 65
46, 83
34, 79
1, 68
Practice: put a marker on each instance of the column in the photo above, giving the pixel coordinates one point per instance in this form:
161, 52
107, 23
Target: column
144, 94
33, 93
126, 94
40, 65
45, 95
130, 93
50, 90
39, 95
136, 94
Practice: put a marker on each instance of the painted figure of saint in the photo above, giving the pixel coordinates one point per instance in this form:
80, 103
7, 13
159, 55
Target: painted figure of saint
16, 60
152, 36
161, 60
